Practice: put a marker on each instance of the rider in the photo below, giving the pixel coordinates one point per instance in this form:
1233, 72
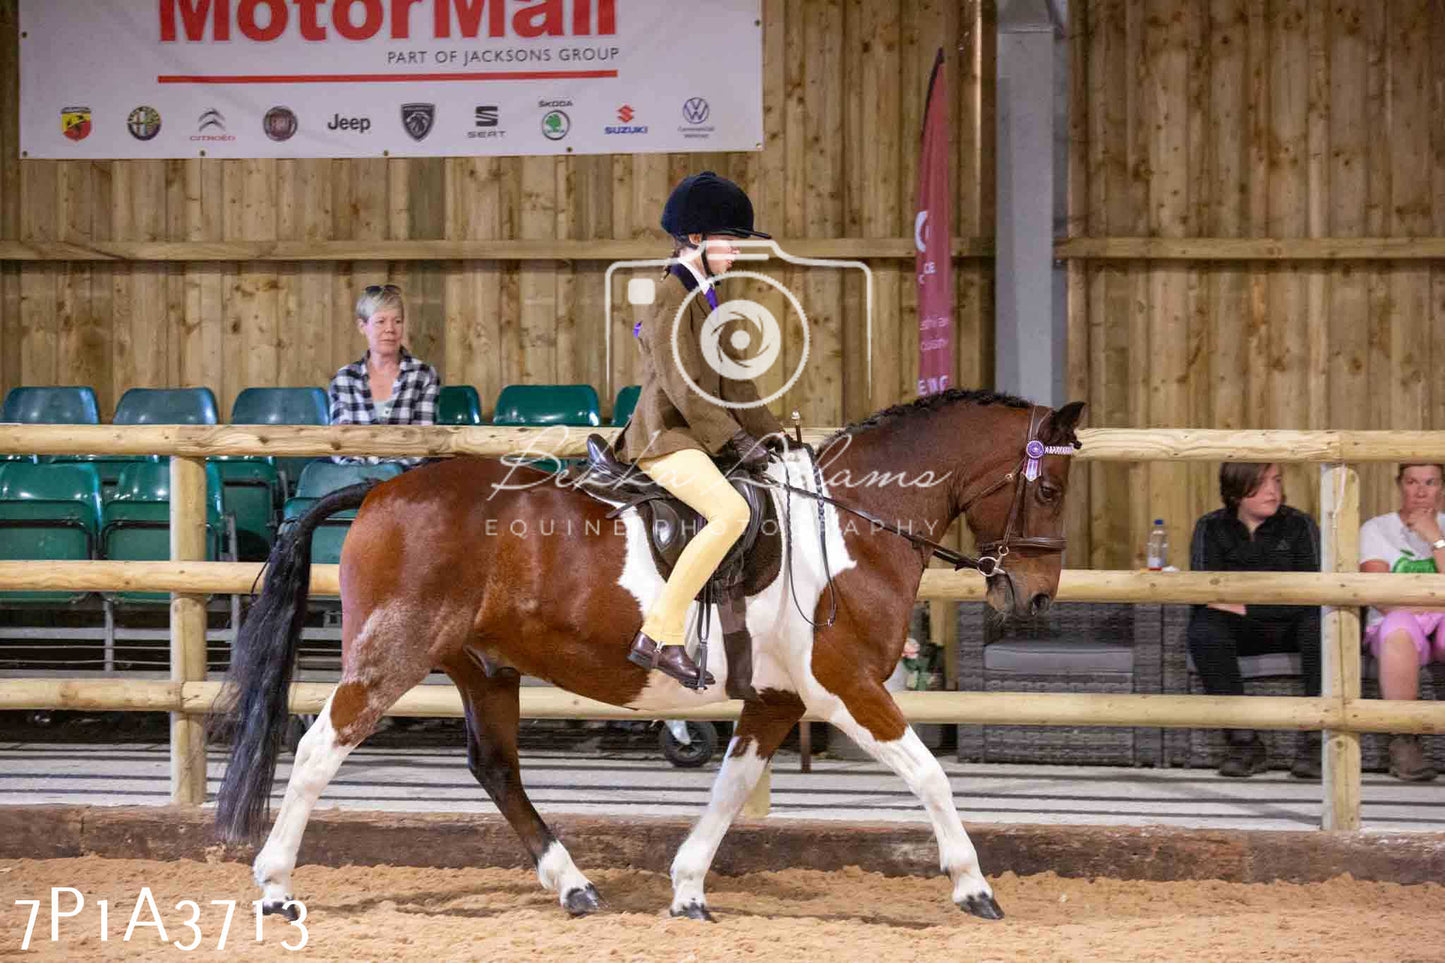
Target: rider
675, 428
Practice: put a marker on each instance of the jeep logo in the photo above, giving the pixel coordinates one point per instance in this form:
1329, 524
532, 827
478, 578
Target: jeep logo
359, 124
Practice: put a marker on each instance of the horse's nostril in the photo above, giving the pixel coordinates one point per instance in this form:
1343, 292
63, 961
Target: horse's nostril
1040, 603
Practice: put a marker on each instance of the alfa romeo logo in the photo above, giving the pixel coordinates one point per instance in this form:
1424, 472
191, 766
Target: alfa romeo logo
144, 123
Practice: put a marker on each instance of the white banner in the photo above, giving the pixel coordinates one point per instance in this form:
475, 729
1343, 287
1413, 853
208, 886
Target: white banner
367, 78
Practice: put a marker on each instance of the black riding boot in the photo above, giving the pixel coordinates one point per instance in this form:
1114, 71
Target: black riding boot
671, 660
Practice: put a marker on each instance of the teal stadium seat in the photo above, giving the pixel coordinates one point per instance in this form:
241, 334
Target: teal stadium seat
149, 406
48, 513
136, 520
250, 493
321, 478
283, 406
625, 403
536, 406
61, 405
254, 489
459, 405
167, 406
48, 405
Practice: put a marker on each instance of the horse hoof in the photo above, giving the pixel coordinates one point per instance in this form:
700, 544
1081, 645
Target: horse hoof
694, 911
582, 900
984, 907
277, 907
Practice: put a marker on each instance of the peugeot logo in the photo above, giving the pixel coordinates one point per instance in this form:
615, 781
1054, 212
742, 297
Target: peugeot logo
695, 110
417, 119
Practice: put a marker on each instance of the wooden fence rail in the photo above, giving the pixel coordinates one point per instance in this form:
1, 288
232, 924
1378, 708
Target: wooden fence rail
1075, 585
1340, 711
395, 441
961, 708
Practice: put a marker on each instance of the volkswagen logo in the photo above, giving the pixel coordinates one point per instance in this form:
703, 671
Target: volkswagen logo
695, 110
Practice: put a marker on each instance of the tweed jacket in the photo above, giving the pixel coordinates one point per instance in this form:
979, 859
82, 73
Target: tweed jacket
670, 415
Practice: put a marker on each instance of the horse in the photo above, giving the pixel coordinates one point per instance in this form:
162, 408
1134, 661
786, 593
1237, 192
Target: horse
457, 566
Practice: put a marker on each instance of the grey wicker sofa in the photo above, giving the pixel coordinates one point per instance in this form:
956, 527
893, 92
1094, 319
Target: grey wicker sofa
1076, 647
1275, 674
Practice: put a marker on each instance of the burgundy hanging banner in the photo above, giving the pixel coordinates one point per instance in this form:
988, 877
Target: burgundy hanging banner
933, 235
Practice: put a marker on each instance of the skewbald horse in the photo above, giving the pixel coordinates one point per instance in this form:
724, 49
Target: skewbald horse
446, 566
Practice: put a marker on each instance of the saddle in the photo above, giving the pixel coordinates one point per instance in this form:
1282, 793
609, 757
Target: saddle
669, 522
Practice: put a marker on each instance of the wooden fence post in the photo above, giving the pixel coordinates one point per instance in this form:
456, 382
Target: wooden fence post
188, 629
1340, 552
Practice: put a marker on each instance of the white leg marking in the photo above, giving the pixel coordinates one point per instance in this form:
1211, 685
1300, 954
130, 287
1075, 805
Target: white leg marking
730, 790
558, 873
317, 759
910, 758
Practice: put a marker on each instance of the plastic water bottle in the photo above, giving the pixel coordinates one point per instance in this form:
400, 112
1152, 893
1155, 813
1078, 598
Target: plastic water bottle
1158, 552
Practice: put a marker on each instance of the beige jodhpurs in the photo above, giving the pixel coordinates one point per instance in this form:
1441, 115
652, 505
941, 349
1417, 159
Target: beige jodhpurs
692, 477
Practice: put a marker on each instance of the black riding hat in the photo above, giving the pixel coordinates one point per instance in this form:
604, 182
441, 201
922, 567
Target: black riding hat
707, 204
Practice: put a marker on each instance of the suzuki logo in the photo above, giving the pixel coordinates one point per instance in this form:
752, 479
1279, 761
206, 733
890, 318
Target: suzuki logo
625, 114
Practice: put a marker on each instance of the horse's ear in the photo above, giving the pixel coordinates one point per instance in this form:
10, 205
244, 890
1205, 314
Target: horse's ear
1059, 429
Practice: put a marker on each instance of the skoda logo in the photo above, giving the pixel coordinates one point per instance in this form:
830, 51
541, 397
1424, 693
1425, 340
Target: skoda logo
555, 125
695, 110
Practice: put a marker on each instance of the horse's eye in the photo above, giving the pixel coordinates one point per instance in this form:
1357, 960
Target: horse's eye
1048, 492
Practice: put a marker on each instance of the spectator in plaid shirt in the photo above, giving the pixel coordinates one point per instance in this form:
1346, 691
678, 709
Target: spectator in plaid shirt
387, 386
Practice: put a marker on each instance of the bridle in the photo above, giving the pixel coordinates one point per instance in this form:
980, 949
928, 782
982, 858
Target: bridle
990, 563
1024, 475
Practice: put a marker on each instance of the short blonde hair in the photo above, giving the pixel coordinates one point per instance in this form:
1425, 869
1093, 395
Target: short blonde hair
374, 297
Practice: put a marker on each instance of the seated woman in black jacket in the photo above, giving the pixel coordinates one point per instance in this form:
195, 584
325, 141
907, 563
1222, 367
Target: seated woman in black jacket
1255, 531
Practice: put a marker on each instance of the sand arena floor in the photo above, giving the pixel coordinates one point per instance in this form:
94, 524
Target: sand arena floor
407, 913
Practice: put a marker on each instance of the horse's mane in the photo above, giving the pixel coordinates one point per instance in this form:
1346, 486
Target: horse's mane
942, 399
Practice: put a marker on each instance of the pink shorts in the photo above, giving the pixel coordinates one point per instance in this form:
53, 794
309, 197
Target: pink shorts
1419, 626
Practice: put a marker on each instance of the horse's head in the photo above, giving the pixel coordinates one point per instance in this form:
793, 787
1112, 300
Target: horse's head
1019, 521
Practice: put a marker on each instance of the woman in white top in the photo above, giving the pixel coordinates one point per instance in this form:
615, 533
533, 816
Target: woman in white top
1402, 638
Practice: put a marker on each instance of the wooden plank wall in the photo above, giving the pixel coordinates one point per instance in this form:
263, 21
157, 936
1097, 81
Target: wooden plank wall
843, 96
1235, 118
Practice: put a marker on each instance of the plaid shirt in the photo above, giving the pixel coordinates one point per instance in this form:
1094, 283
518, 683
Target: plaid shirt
414, 401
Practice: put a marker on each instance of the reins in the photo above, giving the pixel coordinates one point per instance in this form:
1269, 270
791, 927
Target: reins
989, 564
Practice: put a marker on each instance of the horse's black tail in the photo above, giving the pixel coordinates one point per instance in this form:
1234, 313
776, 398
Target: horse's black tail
252, 712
